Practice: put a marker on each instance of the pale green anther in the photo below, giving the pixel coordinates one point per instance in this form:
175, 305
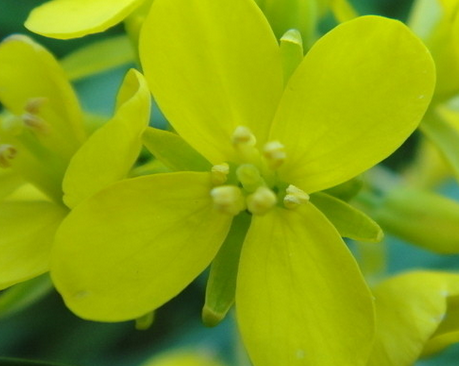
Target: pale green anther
35, 123
250, 177
261, 201
274, 153
219, 174
244, 142
34, 105
243, 136
295, 197
228, 199
7, 153
291, 50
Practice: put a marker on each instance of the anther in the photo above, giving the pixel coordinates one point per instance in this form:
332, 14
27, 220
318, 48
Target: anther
243, 136
34, 105
274, 153
295, 197
249, 176
219, 174
228, 199
261, 201
7, 153
35, 123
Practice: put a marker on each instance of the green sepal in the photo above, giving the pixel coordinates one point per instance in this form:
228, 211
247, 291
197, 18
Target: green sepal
173, 151
422, 218
350, 222
442, 128
291, 50
343, 10
347, 190
145, 322
24, 294
98, 57
221, 285
287, 14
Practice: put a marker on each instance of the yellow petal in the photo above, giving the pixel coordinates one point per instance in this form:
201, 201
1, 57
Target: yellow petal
300, 298
27, 232
409, 309
183, 357
133, 246
342, 112
76, 18
9, 182
219, 68
448, 331
108, 155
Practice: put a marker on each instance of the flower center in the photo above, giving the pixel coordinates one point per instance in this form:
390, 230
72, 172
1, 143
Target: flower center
253, 184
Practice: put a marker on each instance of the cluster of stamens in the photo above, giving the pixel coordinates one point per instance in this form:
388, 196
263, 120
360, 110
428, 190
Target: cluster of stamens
254, 186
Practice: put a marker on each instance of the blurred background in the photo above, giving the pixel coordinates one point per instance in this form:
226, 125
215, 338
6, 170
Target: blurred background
47, 331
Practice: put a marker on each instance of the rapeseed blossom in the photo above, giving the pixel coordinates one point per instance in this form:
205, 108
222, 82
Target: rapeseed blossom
44, 144
215, 71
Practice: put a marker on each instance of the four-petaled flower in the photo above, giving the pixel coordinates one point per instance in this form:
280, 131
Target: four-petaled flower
215, 71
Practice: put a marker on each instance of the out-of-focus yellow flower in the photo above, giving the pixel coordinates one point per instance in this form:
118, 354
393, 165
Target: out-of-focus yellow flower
43, 142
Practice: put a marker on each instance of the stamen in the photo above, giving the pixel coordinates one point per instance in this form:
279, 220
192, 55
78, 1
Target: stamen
250, 177
228, 199
244, 144
35, 123
261, 201
295, 197
219, 174
243, 136
274, 153
34, 105
7, 153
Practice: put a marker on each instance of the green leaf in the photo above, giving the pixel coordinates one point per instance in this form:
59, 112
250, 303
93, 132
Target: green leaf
221, 285
173, 151
350, 222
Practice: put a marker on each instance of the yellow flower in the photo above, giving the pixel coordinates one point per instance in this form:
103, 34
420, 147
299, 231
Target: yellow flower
43, 142
416, 315
214, 68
